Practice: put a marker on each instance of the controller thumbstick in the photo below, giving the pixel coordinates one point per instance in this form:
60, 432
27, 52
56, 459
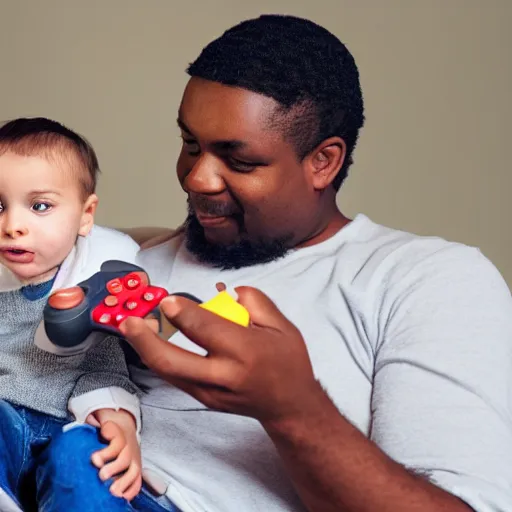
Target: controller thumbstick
67, 298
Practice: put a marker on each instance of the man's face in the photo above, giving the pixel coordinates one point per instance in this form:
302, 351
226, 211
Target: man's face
250, 199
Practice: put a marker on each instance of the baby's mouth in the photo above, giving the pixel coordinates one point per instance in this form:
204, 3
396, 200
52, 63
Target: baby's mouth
17, 255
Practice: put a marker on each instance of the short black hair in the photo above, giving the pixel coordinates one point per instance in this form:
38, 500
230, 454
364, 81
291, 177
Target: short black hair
302, 66
30, 136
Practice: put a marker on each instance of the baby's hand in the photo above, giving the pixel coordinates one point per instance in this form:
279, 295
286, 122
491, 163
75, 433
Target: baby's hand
121, 459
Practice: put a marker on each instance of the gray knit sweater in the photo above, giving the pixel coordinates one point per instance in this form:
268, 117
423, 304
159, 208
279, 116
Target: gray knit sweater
42, 381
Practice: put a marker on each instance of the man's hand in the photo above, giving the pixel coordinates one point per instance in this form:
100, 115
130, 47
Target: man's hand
121, 459
262, 371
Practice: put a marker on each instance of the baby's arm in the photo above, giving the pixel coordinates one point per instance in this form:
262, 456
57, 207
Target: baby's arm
105, 397
104, 383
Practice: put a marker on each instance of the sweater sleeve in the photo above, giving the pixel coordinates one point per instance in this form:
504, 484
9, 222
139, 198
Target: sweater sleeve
104, 382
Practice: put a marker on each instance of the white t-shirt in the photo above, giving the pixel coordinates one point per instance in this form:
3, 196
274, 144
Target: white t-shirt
410, 336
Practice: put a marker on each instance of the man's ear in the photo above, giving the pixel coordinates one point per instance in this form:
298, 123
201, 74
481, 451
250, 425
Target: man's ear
87, 220
325, 162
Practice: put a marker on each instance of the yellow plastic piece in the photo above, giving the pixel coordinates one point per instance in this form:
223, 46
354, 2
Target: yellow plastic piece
224, 305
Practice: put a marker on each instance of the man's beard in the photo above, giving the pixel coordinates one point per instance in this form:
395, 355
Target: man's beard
243, 253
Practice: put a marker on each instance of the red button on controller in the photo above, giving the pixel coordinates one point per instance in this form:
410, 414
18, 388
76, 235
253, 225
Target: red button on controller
119, 318
129, 296
130, 305
110, 301
105, 318
115, 286
132, 283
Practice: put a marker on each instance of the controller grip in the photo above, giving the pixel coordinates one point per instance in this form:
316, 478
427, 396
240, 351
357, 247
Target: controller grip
67, 328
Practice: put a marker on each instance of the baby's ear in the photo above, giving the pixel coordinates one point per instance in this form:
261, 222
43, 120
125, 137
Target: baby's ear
87, 220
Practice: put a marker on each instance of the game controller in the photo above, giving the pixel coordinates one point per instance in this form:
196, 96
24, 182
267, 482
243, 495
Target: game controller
105, 300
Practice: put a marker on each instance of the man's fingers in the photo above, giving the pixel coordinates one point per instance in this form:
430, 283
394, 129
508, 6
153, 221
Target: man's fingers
218, 336
206, 329
153, 323
165, 358
262, 310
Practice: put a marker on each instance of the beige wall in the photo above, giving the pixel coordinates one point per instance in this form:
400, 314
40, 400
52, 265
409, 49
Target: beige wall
437, 77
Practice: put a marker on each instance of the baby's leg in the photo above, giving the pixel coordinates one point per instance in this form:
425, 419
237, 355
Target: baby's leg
14, 452
66, 478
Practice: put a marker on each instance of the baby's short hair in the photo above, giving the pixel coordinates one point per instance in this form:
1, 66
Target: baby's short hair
39, 136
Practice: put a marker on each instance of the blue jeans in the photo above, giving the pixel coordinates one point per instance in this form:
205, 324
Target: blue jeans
45, 469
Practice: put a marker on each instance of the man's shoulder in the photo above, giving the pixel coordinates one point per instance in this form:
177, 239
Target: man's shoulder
395, 255
396, 241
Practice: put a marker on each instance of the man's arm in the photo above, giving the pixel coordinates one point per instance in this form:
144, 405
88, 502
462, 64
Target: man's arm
336, 468
439, 406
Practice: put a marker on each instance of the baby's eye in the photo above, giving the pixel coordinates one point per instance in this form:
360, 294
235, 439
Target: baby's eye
41, 207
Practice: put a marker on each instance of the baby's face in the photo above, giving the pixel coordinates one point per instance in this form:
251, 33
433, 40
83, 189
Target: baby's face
42, 212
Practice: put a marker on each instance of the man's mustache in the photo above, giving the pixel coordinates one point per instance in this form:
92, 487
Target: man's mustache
206, 206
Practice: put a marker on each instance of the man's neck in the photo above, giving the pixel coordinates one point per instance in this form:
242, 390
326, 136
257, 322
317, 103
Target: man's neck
336, 221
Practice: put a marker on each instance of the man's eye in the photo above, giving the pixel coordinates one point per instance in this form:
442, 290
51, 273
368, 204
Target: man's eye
191, 146
241, 166
41, 207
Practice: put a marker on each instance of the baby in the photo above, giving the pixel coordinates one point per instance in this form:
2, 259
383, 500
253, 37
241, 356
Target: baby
47, 239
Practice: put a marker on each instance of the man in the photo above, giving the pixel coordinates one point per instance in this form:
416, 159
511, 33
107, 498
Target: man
376, 372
